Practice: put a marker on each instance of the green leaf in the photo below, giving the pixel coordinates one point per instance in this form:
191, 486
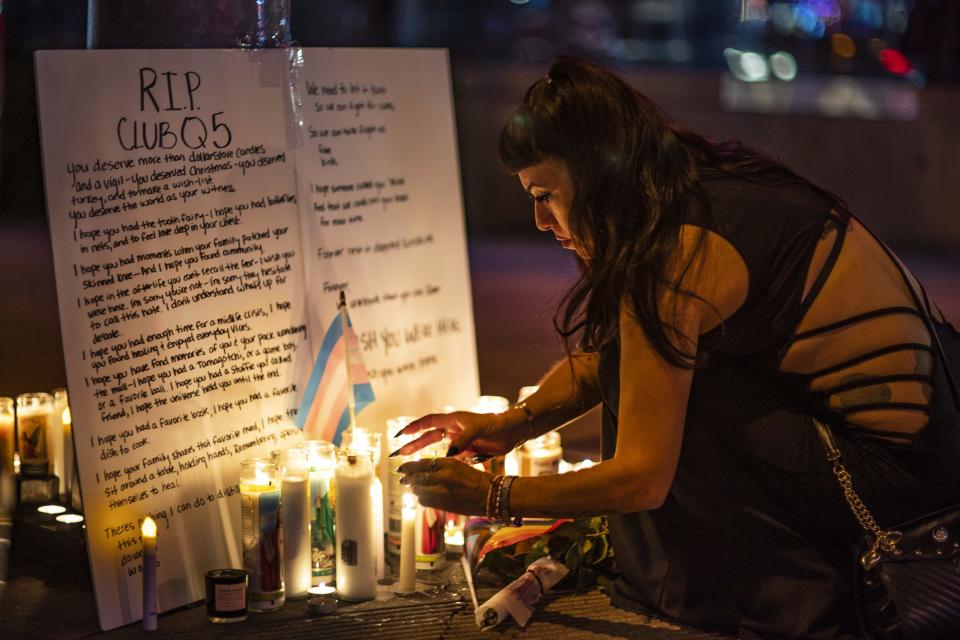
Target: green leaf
574, 557
601, 550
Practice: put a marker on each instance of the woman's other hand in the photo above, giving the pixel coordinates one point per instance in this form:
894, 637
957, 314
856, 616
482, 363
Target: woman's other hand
470, 434
448, 485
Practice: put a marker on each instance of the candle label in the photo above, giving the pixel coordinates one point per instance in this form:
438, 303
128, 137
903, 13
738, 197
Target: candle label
323, 544
260, 515
33, 439
545, 466
348, 552
230, 597
429, 537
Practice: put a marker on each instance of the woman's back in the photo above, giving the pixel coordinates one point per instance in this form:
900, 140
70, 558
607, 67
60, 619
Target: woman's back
828, 310
755, 524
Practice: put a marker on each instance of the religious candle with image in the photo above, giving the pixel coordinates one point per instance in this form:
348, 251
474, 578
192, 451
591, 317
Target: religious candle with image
428, 536
34, 414
260, 523
321, 456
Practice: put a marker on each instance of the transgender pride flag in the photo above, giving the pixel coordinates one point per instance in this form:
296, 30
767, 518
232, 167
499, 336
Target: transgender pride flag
324, 411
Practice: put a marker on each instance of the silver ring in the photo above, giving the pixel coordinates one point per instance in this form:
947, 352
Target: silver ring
423, 477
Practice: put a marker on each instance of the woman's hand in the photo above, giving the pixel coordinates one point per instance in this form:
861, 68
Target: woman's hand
446, 484
470, 434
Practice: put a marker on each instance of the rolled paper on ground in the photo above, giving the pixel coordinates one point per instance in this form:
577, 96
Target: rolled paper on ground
517, 599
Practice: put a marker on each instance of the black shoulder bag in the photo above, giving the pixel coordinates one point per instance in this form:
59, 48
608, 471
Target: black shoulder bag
908, 577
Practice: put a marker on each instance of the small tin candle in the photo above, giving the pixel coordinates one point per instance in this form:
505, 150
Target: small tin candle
226, 595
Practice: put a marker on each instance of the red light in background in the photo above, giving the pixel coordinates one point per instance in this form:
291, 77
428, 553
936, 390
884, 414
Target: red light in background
894, 61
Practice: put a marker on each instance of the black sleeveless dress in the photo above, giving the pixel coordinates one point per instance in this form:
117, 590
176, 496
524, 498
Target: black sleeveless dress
755, 538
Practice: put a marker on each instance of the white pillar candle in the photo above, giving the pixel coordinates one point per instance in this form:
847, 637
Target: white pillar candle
295, 520
55, 441
360, 439
356, 552
408, 549
148, 533
7, 486
69, 457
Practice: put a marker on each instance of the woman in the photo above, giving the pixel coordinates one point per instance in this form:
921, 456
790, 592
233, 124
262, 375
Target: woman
723, 301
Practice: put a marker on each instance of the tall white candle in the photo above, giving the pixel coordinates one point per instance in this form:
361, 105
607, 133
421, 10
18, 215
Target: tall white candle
69, 460
356, 552
148, 532
408, 549
7, 487
295, 521
55, 442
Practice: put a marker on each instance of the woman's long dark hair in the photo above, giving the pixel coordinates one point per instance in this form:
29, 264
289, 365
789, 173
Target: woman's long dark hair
637, 177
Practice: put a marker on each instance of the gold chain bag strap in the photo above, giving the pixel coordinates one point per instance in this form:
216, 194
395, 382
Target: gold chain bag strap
907, 578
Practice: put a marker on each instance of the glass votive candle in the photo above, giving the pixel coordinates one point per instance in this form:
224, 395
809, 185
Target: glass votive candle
541, 456
34, 413
226, 591
260, 515
395, 490
322, 459
490, 404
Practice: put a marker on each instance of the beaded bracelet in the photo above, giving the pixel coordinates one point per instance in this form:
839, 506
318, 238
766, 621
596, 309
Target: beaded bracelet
493, 497
503, 503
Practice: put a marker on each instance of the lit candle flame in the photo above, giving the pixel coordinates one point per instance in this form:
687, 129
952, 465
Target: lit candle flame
65, 416
149, 528
261, 477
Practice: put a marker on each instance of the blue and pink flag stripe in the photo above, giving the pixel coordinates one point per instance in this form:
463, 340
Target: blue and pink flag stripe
324, 413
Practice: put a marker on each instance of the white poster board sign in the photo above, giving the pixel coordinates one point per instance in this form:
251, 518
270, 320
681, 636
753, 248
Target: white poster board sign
381, 218
188, 324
